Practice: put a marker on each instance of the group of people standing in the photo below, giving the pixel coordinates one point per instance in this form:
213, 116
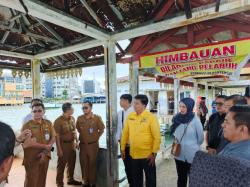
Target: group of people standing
227, 131
39, 135
90, 128
138, 134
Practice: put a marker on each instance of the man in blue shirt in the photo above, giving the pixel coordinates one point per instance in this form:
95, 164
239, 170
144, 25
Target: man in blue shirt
236, 129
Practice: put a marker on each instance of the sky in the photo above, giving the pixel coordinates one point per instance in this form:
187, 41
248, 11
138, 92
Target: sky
98, 73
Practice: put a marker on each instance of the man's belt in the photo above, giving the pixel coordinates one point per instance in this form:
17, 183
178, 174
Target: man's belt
68, 141
88, 142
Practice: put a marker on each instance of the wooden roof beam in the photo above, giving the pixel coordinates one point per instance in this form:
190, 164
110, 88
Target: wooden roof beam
97, 62
6, 34
11, 25
91, 12
217, 6
97, 19
239, 83
5, 65
201, 35
164, 10
29, 34
187, 7
190, 35
69, 49
163, 37
240, 18
199, 14
230, 25
47, 13
52, 31
15, 55
79, 56
138, 43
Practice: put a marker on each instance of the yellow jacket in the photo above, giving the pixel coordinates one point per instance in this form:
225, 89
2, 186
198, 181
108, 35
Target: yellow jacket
143, 133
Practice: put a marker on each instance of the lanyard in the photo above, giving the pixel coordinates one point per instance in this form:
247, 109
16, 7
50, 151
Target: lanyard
122, 119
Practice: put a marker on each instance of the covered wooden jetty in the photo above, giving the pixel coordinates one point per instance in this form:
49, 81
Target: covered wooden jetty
50, 35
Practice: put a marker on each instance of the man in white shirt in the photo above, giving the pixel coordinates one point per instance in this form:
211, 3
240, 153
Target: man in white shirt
127, 108
29, 116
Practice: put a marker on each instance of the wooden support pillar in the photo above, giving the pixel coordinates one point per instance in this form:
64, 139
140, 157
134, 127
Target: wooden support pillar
176, 95
213, 92
206, 94
133, 79
36, 77
111, 114
195, 90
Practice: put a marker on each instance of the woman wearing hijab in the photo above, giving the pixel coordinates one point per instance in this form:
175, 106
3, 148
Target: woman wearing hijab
188, 131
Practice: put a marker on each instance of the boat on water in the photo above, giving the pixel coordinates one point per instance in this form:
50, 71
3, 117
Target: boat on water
51, 106
94, 99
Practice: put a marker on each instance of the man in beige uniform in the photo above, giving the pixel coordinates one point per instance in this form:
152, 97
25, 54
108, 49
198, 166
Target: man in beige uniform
66, 141
36, 157
90, 128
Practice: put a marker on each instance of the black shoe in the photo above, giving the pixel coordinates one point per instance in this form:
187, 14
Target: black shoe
85, 185
74, 182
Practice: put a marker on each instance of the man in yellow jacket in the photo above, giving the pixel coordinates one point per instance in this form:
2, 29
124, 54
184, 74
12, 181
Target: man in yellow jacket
142, 131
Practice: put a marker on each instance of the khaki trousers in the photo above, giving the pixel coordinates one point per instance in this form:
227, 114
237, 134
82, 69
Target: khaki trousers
36, 174
88, 160
68, 159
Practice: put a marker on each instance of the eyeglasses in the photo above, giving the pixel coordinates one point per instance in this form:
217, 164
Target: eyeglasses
219, 104
85, 108
37, 111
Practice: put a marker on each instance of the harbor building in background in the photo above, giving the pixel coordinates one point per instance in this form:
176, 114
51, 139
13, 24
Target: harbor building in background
91, 86
11, 90
60, 87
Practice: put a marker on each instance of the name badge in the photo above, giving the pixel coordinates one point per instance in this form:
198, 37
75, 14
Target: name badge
47, 136
91, 130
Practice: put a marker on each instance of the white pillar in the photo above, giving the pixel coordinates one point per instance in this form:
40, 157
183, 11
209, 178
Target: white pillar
195, 90
111, 114
213, 93
133, 78
206, 94
176, 95
36, 77
162, 103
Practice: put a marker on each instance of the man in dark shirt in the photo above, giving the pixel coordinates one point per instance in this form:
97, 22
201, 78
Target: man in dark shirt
247, 95
230, 102
214, 128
